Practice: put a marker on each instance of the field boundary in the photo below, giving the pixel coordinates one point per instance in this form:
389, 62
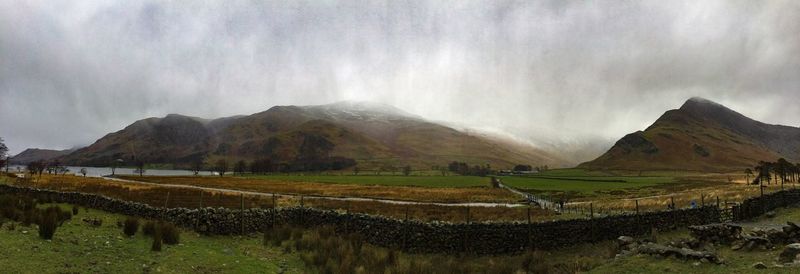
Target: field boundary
409, 235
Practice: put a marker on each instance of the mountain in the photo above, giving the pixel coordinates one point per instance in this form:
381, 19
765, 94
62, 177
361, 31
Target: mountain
374, 135
35, 154
701, 135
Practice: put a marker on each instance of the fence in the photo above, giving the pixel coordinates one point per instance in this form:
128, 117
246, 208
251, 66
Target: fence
409, 235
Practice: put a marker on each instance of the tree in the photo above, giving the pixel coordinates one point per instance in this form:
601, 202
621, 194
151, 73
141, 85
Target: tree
3, 158
36, 167
407, 170
240, 167
140, 168
221, 167
356, 170
747, 173
114, 165
197, 166
84, 171
523, 168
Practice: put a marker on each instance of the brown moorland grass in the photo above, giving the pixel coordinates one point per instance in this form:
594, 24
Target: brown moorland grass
424, 194
700, 189
161, 196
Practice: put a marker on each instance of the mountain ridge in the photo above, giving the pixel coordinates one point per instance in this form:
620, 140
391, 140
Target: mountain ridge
372, 134
701, 135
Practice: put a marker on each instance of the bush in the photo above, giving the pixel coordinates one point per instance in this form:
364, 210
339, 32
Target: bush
149, 228
75, 210
156, 241
131, 226
169, 233
47, 225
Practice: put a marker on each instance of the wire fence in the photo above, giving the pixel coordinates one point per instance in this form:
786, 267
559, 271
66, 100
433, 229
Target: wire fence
548, 209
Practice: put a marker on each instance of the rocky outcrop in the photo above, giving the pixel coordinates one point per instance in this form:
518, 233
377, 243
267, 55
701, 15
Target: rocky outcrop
789, 254
628, 246
716, 233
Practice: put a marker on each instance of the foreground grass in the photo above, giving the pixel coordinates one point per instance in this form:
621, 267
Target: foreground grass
80, 248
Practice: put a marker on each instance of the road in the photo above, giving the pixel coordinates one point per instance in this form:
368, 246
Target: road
530, 197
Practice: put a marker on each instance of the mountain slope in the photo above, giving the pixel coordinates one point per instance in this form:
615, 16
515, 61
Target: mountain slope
35, 154
373, 134
701, 135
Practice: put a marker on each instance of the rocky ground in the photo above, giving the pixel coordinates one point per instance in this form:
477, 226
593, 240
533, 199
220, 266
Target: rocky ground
770, 244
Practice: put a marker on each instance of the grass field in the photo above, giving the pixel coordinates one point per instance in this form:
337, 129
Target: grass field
582, 185
384, 180
482, 193
161, 196
80, 248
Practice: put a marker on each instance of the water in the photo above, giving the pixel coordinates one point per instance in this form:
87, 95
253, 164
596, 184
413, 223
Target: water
105, 171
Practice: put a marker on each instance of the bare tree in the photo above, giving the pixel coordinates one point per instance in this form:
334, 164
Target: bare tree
3, 158
140, 168
240, 167
114, 165
197, 166
221, 167
407, 170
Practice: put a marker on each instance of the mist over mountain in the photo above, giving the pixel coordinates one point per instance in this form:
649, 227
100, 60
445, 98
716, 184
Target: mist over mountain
701, 135
372, 134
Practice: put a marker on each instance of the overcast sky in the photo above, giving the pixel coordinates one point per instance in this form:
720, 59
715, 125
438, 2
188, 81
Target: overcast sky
571, 73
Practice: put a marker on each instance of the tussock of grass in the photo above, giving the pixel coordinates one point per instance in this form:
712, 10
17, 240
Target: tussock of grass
329, 252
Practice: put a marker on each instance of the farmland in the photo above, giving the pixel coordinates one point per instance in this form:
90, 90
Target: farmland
474, 189
383, 180
161, 196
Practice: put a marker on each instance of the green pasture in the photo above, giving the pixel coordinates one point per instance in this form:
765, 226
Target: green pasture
80, 248
582, 181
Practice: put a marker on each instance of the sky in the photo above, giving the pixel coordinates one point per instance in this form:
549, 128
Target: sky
569, 76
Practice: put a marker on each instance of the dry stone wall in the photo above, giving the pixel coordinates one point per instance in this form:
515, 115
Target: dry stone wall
412, 236
757, 206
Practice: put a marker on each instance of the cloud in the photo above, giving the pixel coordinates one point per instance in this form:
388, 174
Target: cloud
567, 75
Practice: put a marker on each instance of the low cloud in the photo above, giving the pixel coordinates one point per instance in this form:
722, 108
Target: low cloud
567, 75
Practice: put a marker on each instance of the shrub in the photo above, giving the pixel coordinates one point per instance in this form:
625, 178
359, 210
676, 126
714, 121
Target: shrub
75, 210
156, 241
47, 225
131, 226
149, 228
169, 233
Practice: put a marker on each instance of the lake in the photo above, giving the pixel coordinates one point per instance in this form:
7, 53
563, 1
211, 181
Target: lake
103, 171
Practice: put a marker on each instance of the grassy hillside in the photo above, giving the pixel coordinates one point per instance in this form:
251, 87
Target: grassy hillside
373, 135
701, 136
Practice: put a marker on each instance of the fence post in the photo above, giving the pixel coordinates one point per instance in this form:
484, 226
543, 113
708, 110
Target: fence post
717, 202
347, 220
274, 207
166, 202
672, 201
702, 200
591, 219
241, 211
528, 242
637, 207
201, 198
